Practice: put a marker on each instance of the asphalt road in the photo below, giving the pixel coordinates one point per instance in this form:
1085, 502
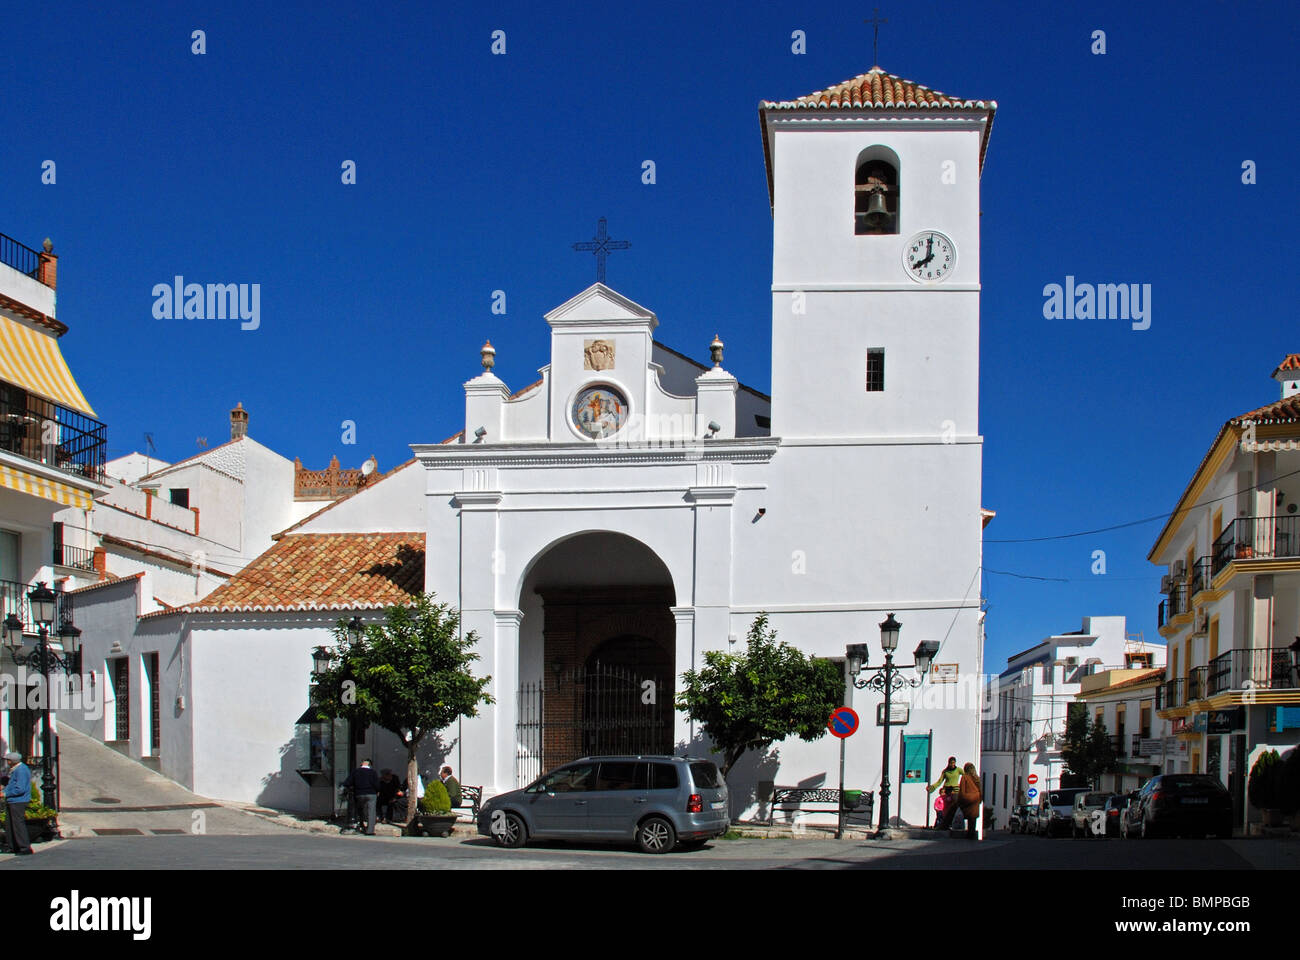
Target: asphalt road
328, 852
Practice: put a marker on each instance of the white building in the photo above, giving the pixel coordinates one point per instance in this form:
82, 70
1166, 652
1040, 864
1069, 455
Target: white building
1231, 613
633, 508
51, 458
189, 525
1029, 702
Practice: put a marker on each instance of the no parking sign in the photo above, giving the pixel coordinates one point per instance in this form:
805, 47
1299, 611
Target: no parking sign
843, 722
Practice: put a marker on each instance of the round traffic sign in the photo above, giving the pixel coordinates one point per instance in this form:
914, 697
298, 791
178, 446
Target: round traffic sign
843, 722
1031, 793
1032, 778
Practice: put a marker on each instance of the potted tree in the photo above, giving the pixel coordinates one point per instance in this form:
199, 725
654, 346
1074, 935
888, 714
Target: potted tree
42, 821
1263, 787
435, 818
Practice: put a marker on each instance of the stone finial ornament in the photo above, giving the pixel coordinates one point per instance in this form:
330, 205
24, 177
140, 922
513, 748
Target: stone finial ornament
715, 351
48, 245
489, 355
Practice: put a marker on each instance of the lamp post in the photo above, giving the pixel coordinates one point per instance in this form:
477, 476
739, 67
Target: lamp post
886, 679
43, 603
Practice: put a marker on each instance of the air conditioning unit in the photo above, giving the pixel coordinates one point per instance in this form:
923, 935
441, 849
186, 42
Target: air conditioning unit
1180, 569
1166, 583
1202, 621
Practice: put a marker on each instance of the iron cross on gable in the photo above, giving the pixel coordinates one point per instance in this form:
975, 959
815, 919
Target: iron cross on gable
601, 247
875, 22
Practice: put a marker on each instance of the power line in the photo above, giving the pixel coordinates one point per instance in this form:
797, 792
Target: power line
1138, 523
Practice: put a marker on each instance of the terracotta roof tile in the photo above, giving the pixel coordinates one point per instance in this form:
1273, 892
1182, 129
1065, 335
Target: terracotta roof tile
1286, 410
1292, 362
877, 89
323, 571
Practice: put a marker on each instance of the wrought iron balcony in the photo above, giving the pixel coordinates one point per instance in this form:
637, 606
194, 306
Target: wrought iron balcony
1267, 669
1201, 574
1170, 695
19, 256
1196, 683
1117, 744
44, 431
1173, 605
77, 557
1257, 538
13, 599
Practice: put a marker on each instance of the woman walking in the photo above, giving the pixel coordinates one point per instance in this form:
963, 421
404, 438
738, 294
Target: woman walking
970, 795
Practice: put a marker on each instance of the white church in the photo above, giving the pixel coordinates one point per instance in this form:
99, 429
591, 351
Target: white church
635, 508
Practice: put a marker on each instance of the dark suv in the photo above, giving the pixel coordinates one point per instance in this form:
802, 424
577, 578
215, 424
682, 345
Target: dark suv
1180, 805
657, 802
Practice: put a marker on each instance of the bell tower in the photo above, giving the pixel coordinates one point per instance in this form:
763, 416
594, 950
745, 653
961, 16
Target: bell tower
874, 185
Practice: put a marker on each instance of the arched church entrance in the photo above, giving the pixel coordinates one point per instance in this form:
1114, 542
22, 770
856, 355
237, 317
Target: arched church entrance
597, 653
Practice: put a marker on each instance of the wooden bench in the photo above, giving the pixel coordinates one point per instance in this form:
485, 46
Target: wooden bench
796, 798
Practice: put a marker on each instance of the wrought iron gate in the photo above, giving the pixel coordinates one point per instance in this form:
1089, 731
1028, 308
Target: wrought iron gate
592, 711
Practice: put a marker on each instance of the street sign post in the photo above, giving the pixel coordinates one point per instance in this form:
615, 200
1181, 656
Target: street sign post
843, 723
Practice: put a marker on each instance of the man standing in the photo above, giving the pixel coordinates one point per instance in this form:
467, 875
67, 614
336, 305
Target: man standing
365, 787
452, 785
18, 793
950, 777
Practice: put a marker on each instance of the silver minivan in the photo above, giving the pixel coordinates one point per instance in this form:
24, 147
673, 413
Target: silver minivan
658, 802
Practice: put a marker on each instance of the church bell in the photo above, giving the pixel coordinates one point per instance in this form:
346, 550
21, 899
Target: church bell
877, 215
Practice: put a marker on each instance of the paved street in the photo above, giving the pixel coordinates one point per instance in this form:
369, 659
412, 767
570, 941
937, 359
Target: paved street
286, 849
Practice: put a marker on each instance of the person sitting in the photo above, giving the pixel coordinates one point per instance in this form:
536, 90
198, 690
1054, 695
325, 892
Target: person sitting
390, 791
452, 785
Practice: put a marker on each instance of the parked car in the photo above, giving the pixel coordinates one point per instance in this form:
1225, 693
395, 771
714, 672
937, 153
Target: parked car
1019, 820
1085, 806
656, 802
1114, 810
1180, 805
1055, 810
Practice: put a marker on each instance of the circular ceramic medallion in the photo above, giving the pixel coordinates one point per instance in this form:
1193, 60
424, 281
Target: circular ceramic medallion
599, 411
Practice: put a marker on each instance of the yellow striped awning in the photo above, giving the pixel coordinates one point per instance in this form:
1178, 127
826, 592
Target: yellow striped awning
24, 482
33, 361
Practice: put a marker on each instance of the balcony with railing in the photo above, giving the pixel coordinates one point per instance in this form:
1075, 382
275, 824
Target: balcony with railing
19, 256
1197, 683
43, 431
1173, 605
1117, 744
1201, 574
13, 599
1170, 695
1257, 538
1264, 669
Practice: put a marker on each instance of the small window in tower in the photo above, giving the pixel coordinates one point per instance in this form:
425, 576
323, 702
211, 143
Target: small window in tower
875, 206
180, 496
875, 369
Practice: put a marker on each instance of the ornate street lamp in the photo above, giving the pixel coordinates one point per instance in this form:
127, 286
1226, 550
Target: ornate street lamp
43, 603
320, 661
886, 679
356, 629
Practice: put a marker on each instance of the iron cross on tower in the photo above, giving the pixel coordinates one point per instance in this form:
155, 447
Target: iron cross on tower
601, 247
875, 22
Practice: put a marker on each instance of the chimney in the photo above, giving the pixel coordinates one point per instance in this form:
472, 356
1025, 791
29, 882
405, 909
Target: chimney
238, 422
47, 266
1288, 374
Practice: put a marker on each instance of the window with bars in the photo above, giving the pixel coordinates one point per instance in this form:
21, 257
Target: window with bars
122, 696
875, 370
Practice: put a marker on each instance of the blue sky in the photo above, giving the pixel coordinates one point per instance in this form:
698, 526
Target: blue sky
477, 172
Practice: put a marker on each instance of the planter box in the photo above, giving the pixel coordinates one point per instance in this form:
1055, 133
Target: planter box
39, 831
433, 824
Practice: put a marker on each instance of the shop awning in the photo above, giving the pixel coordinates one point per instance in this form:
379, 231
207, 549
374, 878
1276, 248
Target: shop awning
24, 482
33, 361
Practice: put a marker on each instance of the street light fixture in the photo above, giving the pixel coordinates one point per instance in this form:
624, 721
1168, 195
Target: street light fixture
356, 629
43, 603
320, 660
13, 629
886, 679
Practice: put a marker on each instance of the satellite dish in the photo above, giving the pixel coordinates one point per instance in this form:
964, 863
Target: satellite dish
368, 467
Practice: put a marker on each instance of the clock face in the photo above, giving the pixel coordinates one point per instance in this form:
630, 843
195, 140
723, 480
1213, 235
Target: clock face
599, 412
929, 257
